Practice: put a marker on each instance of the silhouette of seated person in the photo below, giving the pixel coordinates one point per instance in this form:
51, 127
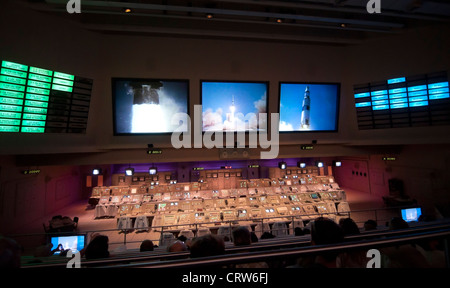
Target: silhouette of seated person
434, 251
10, 253
267, 235
402, 256
353, 258
177, 246
146, 245
397, 223
97, 248
370, 225
324, 231
242, 237
46, 250
301, 232
207, 245
182, 238
349, 227
253, 237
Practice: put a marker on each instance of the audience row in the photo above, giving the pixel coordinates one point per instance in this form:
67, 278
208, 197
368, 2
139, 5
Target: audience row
323, 231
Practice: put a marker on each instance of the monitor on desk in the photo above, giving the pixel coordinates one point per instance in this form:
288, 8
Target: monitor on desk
242, 213
75, 242
411, 214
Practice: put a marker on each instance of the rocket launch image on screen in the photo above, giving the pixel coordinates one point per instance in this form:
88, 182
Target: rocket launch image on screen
309, 107
233, 106
146, 106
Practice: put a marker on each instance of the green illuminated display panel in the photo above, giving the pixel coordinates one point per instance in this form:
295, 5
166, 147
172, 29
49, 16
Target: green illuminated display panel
37, 100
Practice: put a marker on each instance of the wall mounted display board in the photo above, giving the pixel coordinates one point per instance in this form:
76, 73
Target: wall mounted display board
36, 100
421, 100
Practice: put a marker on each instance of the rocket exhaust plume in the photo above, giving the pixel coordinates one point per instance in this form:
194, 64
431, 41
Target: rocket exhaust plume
146, 109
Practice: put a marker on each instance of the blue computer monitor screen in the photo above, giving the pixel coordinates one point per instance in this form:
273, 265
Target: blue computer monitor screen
411, 214
74, 243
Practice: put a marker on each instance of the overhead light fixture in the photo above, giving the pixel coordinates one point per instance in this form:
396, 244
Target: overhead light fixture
96, 171
319, 164
301, 164
127, 10
129, 171
282, 165
209, 16
152, 170
279, 20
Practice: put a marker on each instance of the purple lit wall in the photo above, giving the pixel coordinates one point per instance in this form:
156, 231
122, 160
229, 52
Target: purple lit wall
186, 169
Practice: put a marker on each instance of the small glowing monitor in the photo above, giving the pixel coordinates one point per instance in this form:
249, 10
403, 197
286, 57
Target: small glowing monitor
337, 163
411, 214
75, 243
96, 171
161, 206
129, 171
301, 164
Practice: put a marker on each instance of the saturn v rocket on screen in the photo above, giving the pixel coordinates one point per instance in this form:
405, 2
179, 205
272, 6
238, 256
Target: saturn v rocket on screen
306, 107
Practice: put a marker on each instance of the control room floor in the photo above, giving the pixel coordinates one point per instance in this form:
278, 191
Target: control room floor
88, 224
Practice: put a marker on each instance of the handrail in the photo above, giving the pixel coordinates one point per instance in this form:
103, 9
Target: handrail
145, 256
284, 253
229, 223
287, 249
